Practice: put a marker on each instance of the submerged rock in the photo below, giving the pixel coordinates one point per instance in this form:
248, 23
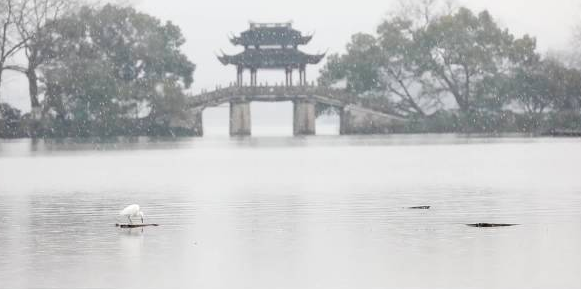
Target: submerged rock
490, 225
420, 208
562, 133
135, 225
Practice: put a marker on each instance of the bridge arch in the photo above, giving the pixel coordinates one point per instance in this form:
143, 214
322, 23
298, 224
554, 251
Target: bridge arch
357, 115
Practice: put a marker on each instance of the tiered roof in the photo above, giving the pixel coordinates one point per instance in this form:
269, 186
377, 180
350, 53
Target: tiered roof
271, 58
271, 34
271, 45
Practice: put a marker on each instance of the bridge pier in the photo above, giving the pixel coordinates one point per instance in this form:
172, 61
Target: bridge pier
345, 122
198, 124
304, 117
240, 119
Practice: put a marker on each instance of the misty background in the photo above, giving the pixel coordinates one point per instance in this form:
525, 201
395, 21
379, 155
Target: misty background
207, 25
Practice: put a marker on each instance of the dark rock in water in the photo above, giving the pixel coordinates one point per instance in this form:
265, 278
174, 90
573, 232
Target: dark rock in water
562, 133
129, 226
489, 225
420, 208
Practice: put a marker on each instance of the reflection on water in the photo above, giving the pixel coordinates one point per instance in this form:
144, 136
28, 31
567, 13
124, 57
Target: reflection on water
281, 212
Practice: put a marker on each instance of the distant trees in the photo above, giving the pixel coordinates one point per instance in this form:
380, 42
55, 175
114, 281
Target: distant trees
102, 70
545, 85
468, 55
428, 57
108, 70
9, 121
111, 64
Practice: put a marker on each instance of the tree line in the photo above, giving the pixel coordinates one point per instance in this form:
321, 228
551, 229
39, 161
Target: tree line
450, 69
105, 70
101, 70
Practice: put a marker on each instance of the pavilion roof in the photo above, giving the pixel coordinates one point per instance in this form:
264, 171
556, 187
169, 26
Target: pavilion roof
271, 58
270, 34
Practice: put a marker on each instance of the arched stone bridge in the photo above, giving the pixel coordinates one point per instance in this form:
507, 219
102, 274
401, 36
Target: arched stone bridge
357, 115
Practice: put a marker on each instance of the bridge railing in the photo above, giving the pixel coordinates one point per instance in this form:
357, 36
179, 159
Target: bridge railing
336, 97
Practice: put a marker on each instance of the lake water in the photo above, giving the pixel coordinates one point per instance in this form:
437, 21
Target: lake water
281, 212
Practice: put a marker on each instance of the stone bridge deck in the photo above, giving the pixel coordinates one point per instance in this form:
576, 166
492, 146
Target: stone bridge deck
357, 115
333, 97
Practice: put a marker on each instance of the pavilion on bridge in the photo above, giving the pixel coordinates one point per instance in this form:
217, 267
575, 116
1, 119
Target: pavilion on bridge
271, 46
275, 46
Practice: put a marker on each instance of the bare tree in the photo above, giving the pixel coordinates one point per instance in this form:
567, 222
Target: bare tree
34, 29
414, 93
572, 58
423, 12
11, 15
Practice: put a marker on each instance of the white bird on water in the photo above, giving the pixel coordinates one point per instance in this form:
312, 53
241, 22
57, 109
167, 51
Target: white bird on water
132, 211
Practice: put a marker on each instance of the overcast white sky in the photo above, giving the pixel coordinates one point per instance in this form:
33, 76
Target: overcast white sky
207, 23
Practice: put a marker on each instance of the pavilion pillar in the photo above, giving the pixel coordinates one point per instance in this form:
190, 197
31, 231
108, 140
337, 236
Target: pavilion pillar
240, 119
239, 76
302, 76
253, 78
304, 117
